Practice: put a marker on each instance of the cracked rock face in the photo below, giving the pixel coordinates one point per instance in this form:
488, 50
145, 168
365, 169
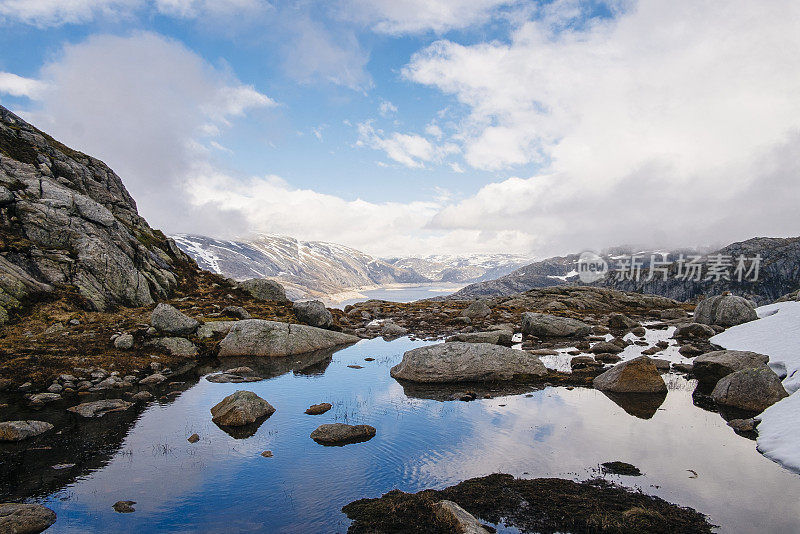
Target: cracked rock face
66, 220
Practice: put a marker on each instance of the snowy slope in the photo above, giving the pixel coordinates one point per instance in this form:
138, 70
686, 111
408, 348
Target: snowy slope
777, 334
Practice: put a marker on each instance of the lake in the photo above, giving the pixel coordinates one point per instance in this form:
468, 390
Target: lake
400, 293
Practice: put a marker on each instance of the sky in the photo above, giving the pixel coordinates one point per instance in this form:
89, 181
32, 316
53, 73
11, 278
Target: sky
427, 126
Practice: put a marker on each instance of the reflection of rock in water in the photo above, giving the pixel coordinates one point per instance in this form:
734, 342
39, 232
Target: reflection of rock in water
455, 391
310, 363
244, 431
641, 405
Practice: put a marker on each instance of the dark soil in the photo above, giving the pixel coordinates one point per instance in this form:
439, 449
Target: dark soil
545, 505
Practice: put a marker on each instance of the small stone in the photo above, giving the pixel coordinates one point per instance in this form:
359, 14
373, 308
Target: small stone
340, 434
318, 409
124, 507
355, 366
267, 454
124, 342
194, 438
152, 380
20, 430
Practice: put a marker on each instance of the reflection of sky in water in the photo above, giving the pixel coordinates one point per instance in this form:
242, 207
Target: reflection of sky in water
221, 484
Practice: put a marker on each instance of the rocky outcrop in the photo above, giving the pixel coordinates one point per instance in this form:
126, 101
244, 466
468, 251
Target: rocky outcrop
241, 408
313, 313
263, 289
749, 389
341, 434
67, 221
467, 362
712, 366
638, 375
169, 320
19, 430
725, 310
544, 325
256, 337
495, 337
17, 518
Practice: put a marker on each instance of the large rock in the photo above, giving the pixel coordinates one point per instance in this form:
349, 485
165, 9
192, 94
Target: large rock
725, 310
340, 434
477, 310
176, 346
256, 337
638, 375
467, 362
621, 321
19, 430
263, 289
18, 518
749, 389
74, 224
605, 347
100, 408
712, 366
693, 331
241, 408
449, 513
544, 325
168, 319
313, 313
495, 337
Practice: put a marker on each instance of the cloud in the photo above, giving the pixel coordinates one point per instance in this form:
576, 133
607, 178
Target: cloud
190, 9
410, 150
14, 85
651, 126
387, 109
419, 16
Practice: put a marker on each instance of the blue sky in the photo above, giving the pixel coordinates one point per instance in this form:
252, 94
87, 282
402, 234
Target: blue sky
423, 126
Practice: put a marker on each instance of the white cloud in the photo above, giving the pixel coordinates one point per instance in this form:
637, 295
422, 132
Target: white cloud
196, 8
417, 16
671, 123
14, 85
411, 150
44, 13
387, 109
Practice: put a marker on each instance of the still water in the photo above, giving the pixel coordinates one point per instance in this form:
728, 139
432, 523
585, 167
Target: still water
404, 293
223, 484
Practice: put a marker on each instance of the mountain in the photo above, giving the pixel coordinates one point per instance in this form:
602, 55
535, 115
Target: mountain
69, 226
317, 269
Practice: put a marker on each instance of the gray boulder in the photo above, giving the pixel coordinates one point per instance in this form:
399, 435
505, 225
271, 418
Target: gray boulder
621, 321
168, 319
176, 346
236, 311
263, 289
495, 337
673, 314
605, 347
749, 389
100, 408
467, 362
693, 331
712, 366
18, 518
124, 342
211, 328
40, 399
477, 310
544, 325
391, 329
449, 513
313, 313
638, 375
19, 430
256, 337
241, 408
340, 433
725, 310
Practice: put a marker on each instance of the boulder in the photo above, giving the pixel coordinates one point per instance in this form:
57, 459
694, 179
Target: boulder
124, 507
477, 310
210, 328
313, 313
235, 311
584, 362
495, 337
340, 434
607, 357
18, 518
170, 320
318, 409
100, 408
712, 366
605, 347
256, 337
683, 367
661, 364
263, 289
40, 399
467, 362
743, 425
544, 325
391, 329
725, 310
673, 314
152, 380
693, 330
176, 346
124, 342
749, 389
450, 514
19, 430
638, 375
621, 321
241, 408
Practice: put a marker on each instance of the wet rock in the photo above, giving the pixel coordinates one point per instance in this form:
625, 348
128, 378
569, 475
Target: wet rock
263, 289
606, 347
544, 325
600, 330
477, 310
621, 468
690, 350
152, 380
355, 366
543, 352
142, 396
694, 330
467, 362
40, 399
20, 430
584, 362
661, 363
235, 311
55, 388
725, 310
313, 313
176, 346
340, 434
451, 514
256, 337
267, 454
651, 351
5, 383
749, 389
638, 331
607, 357
683, 367
495, 337
124, 342
638, 375
100, 408
621, 321
318, 409
391, 330
241, 408
712, 366
124, 507
236, 375
17, 518
743, 425
194, 438
170, 320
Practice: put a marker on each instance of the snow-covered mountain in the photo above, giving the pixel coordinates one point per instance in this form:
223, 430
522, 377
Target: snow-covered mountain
318, 269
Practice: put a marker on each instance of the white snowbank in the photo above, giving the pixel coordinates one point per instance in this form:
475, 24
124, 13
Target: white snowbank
777, 334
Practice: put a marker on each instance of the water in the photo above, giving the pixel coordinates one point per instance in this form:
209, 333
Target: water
223, 484
402, 293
